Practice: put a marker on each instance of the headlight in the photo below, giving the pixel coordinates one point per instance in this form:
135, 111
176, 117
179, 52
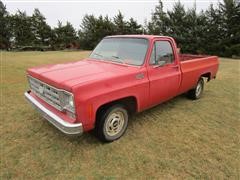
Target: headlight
68, 102
71, 103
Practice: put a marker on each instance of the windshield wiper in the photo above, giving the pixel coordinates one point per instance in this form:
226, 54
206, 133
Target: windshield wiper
109, 58
119, 59
98, 54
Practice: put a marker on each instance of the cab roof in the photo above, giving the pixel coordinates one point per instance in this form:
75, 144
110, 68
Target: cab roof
139, 36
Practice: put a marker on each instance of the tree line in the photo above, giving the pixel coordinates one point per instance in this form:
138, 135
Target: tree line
215, 30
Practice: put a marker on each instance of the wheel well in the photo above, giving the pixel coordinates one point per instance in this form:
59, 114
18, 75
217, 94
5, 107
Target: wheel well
130, 103
207, 75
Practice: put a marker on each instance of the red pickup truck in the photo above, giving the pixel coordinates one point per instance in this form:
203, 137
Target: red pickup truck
123, 75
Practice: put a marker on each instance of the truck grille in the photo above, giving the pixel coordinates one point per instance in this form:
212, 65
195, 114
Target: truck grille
48, 93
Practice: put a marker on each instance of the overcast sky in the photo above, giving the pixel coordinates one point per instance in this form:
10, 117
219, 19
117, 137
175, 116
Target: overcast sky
74, 10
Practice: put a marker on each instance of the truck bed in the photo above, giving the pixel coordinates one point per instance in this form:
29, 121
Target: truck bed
195, 66
188, 57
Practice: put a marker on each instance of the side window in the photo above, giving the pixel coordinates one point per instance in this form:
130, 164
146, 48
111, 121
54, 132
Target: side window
162, 51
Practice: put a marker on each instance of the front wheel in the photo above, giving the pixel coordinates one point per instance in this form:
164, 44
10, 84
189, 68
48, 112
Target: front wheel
112, 123
196, 93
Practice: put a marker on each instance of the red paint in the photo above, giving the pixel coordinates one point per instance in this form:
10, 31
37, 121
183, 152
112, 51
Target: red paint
95, 83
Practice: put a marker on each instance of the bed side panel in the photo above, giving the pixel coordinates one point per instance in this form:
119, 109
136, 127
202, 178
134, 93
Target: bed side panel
193, 69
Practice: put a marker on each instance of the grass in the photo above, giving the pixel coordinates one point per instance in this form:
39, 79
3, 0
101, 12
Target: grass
178, 139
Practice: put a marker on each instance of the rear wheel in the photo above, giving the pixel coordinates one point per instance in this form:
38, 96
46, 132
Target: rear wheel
112, 123
196, 93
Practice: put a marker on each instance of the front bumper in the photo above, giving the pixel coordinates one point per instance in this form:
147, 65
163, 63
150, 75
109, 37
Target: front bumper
58, 122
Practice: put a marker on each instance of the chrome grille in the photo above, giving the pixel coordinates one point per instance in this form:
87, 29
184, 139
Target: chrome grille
48, 93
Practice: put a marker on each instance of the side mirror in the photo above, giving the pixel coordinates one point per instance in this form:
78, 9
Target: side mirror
161, 63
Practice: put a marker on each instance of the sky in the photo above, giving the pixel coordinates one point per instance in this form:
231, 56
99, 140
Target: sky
74, 10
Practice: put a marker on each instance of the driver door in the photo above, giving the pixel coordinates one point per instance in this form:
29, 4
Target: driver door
164, 72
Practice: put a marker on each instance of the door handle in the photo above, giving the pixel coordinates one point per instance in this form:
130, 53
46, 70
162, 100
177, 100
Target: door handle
139, 76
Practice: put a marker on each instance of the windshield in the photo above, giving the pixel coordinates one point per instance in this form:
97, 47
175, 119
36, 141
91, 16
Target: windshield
123, 50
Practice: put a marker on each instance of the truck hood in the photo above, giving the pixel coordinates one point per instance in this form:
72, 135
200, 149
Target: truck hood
65, 76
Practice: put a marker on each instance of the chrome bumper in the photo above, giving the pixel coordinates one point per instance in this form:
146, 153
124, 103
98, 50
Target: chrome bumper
65, 127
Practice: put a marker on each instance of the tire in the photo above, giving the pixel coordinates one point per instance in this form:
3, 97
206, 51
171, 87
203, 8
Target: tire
112, 123
196, 93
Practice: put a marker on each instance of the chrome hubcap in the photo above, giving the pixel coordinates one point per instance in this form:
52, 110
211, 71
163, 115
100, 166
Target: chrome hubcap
114, 123
198, 89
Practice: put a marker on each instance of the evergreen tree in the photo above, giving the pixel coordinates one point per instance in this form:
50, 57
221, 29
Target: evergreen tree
93, 29
191, 26
104, 27
214, 33
159, 21
230, 12
177, 25
133, 27
5, 30
200, 34
120, 24
87, 32
22, 32
40, 29
64, 36
195, 29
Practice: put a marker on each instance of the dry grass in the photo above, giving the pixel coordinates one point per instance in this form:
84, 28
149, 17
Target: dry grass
177, 139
